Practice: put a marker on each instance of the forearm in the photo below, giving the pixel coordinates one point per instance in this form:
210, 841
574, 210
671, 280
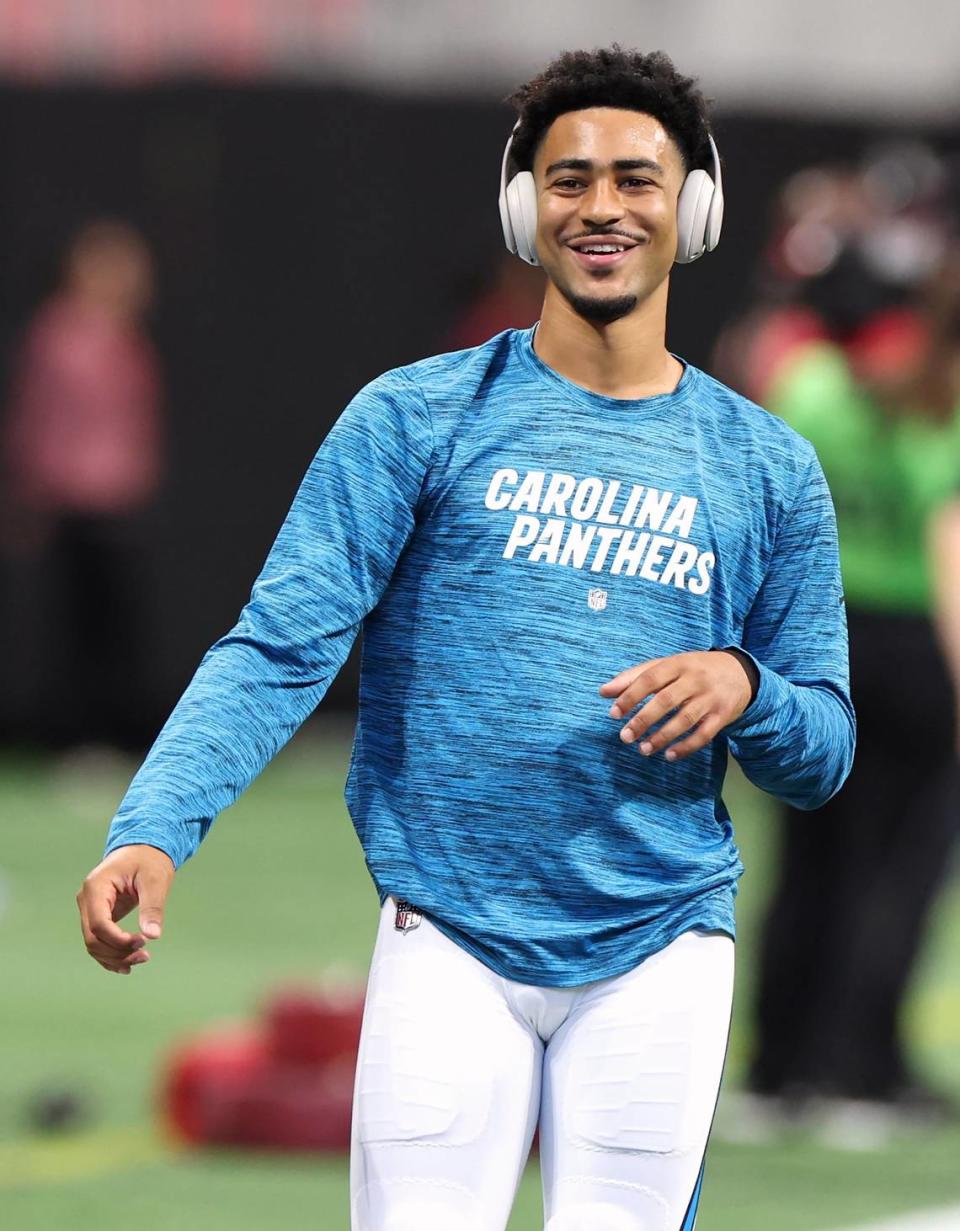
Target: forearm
795, 741
242, 706
944, 541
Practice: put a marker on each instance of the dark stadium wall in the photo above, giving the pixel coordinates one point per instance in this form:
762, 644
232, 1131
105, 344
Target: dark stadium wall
307, 240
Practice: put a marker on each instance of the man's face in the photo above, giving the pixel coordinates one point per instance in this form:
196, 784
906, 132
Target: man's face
609, 176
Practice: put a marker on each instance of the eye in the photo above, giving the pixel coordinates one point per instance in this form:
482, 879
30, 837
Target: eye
567, 183
637, 179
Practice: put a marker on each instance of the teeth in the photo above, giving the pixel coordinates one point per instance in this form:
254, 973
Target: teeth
602, 248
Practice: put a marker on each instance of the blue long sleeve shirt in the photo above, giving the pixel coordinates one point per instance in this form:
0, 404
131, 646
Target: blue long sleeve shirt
507, 541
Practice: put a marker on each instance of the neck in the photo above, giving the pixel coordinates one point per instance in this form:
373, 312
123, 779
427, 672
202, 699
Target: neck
626, 359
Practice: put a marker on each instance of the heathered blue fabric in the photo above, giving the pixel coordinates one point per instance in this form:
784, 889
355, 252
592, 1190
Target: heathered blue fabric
488, 784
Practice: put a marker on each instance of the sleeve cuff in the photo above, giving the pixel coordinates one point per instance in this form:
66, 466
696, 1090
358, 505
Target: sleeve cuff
772, 692
131, 837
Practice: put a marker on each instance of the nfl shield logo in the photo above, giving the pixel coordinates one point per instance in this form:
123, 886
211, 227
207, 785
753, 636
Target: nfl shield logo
408, 917
597, 599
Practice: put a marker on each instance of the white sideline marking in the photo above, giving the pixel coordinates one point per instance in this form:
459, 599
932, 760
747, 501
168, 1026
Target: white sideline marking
943, 1219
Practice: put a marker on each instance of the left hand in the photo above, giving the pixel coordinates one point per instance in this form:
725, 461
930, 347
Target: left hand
707, 688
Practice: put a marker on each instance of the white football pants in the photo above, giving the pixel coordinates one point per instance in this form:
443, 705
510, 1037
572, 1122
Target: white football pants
458, 1066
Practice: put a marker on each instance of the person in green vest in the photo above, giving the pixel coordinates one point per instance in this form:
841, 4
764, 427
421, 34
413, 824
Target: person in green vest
859, 876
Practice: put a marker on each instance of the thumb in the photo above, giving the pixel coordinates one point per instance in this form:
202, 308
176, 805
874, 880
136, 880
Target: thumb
151, 895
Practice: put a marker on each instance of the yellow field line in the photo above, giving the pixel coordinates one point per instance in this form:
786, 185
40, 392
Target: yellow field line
52, 1160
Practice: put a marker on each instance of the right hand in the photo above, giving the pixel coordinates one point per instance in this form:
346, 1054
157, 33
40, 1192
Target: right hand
128, 876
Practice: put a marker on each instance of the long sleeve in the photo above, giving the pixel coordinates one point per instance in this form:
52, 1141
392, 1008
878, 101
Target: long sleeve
796, 739
331, 562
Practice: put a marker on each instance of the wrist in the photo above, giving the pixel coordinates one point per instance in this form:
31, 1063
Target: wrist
749, 669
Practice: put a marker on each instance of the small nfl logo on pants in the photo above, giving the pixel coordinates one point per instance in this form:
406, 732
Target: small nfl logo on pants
408, 917
597, 599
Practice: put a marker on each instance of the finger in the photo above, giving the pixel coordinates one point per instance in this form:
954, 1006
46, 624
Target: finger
111, 953
107, 932
117, 970
619, 682
645, 685
139, 958
123, 965
658, 707
686, 717
100, 898
95, 948
705, 732
114, 967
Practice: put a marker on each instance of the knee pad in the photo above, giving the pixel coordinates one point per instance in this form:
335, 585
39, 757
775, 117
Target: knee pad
594, 1216
430, 1216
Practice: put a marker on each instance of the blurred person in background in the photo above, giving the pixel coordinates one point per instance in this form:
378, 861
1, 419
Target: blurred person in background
82, 451
862, 356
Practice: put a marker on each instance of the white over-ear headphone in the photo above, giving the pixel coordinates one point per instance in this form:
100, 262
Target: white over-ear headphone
699, 210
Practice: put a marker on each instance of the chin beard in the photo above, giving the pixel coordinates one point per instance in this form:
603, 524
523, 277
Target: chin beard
602, 311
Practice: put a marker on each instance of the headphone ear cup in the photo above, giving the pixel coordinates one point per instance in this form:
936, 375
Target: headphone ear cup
715, 219
505, 221
522, 208
693, 213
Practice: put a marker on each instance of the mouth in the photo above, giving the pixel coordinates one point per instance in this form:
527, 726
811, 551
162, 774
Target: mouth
601, 253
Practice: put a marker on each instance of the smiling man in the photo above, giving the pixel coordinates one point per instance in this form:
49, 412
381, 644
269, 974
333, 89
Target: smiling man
607, 260
585, 572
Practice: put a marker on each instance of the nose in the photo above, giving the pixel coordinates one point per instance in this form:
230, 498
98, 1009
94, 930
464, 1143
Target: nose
601, 205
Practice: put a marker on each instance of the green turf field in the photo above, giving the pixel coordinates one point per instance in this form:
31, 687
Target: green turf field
279, 890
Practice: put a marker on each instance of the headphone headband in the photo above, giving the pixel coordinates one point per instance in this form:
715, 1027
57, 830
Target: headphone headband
714, 152
717, 173
506, 157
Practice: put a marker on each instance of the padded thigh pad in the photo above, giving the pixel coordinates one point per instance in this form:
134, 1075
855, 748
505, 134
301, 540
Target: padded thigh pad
415, 1084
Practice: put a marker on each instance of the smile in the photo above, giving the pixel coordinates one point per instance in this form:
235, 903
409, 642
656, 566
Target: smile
601, 256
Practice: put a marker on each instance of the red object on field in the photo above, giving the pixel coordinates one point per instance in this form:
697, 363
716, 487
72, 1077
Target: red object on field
308, 1028
285, 1085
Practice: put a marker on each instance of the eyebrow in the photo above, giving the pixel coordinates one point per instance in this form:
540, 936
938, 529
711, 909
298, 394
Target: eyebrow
620, 164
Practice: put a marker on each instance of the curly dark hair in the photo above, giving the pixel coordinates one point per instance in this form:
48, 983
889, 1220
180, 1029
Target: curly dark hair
612, 77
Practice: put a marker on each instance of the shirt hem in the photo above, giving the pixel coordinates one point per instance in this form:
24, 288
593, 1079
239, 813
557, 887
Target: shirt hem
703, 918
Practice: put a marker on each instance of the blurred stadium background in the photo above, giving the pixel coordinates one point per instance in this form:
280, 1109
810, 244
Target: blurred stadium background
315, 180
